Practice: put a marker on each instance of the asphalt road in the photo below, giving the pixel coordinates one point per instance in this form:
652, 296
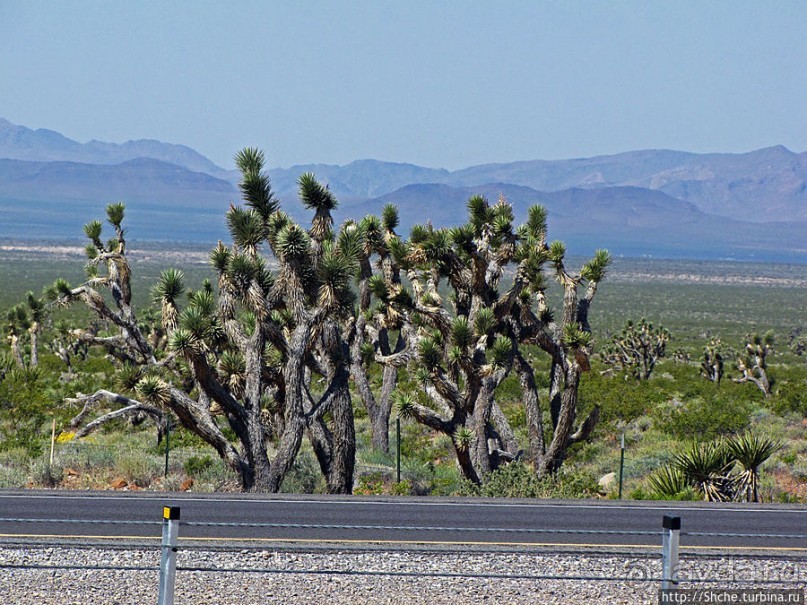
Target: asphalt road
399, 521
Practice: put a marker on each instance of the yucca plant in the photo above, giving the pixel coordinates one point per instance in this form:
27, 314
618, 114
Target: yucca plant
707, 467
669, 482
751, 451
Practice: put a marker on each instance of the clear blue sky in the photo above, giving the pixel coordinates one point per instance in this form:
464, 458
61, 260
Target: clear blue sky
436, 83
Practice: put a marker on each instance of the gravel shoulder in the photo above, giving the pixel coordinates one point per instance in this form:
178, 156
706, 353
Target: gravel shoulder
258, 577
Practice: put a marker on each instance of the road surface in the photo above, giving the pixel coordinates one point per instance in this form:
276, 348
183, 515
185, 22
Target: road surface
263, 518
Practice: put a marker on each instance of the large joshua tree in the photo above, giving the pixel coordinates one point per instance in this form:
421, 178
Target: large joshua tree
379, 329
262, 352
462, 343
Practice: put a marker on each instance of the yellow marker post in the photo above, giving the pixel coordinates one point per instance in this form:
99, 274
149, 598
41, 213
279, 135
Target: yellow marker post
168, 561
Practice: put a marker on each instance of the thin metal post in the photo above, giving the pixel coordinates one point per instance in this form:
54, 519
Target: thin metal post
167, 444
669, 552
52, 442
398, 446
168, 562
621, 463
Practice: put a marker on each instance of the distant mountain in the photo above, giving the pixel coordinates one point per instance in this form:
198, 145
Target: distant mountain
759, 186
652, 202
629, 221
41, 145
361, 179
164, 201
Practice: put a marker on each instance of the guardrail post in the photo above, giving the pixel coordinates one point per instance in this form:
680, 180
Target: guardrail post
168, 562
669, 552
398, 448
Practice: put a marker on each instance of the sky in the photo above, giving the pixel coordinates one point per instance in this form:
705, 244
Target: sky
445, 84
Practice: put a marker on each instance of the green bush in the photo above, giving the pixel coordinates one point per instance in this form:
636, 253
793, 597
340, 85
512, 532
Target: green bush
517, 480
304, 476
790, 396
196, 465
704, 418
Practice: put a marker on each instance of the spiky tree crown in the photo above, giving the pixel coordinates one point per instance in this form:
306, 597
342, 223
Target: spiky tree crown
255, 186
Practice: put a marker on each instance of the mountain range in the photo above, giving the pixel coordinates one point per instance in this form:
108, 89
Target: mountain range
750, 206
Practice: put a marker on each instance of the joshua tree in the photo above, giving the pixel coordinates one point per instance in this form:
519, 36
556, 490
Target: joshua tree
753, 366
461, 353
376, 330
265, 353
24, 321
797, 341
637, 348
712, 363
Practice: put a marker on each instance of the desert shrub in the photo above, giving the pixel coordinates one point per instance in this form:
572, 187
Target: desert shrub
619, 399
790, 396
703, 418
196, 465
369, 485
432, 479
304, 476
517, 480
139, 468
180, 437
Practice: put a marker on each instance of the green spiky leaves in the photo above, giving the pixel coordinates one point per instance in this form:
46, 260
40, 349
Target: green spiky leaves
751, 450
574, 337
418, 234
669, 482
430, 353
197, 322
479, 213
128, 376
93, 232
170, 287
557, 252
499, 353
463, 239
463, 438
594, 270
314, 195
114, 213
350, 243
334, 271
246, 228
154, 390
404, 403
183, 341
484, 322
461, 333
60, 289
536, 222
389, 217
293, 243
255, 186
378, 288
220, 258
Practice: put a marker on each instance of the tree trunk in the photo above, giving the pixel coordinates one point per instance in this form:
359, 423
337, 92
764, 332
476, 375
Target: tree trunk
34, 332
294, 420
16, 350
552, 460
534, 417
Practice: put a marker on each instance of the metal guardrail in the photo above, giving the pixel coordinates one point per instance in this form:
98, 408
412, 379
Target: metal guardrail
171, 546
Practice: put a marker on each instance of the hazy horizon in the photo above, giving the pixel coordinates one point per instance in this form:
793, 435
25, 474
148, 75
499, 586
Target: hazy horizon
445, 85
